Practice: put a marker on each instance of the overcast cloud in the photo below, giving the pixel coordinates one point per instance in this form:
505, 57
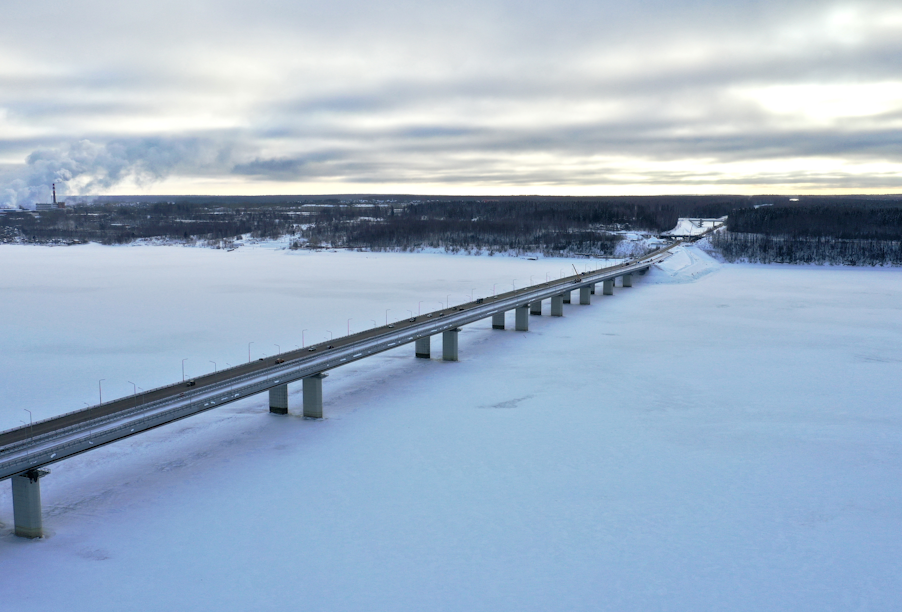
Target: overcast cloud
569, 97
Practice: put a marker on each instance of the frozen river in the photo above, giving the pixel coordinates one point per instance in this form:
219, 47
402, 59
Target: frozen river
716, 437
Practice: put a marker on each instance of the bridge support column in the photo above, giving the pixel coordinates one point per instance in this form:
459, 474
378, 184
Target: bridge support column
498, 321
608, 287
567, 297
585, 298
422, 348
536, 308
627, 280
27, 503
557, 306
643, 271
592, 288
522, 318
449, 345
313, 396
278, 399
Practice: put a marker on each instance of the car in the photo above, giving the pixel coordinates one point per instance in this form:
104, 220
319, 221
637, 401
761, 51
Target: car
391, 325
261, 359
412, 320
330, 346
310, 350
190, 383
479, 300
280, 360
429, 316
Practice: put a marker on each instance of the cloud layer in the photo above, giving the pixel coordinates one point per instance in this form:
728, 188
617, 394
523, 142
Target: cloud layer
487, 97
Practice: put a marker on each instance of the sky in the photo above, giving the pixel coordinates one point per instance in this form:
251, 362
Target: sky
496, 97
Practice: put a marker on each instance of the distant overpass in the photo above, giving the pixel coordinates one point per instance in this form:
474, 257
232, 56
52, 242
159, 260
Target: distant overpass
26, 451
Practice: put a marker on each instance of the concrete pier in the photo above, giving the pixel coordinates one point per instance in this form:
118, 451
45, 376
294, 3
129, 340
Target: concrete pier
522, 318
536, 308
557, 306
643, 271
585, 298
449, 344
278, 399
27, 503
608, 287
422, 348
567, 297
313, 396
627, 280
592, 288
498, 321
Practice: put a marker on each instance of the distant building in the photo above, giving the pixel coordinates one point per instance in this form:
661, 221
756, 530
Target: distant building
50, 205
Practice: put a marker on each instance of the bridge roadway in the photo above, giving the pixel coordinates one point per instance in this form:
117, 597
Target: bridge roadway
24, 450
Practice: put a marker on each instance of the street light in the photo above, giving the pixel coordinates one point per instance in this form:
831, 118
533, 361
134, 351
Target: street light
472, 292
349, 327
249, 351
420, 308
100, 389
374, 323
386, 315
514, 284
303, 345
279, 348
183, 368
493, 289
30, 421
411, 312
136, 391
447, 301
215, 367
330, 334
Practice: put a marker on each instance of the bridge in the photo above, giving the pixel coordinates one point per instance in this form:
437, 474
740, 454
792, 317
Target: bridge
25, 452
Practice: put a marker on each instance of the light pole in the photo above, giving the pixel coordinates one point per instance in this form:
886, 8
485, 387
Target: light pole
411, 312
330, 334
215, 367
100, 389
447, 301
30, 422
249, 351
183, 368
374, 323
279, 348
493, 289
472, 294
349, 327
562, 273
530, 279
303, 344
514, 284
136, 391
420, 308
386, 315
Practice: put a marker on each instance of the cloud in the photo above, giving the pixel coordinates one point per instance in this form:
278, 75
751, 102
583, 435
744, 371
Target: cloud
299, 94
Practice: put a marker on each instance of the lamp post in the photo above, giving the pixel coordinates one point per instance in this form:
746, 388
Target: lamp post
349, 327
249, 351
279, 348
183, 368
420, 308
100, 388
514, 284
303, 344
411, 312
215, 367
30, 422
374, 323
493, 289
330, 334
447, 301
135, 390
386, 315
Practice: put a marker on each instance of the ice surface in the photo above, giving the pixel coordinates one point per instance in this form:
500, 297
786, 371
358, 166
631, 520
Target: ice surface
730, 443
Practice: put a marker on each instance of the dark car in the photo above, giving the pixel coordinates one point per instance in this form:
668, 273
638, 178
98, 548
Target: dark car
280, 360
190, 383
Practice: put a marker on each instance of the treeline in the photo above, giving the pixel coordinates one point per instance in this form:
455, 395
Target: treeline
848, 220
863, 232
761, 248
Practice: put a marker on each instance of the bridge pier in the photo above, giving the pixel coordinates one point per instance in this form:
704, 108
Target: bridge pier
278, 399
498, 321
608, 287
536, 308
27, 503
643, 271
592, 288
449, 344
627, 280
585, 297
313, 396
567, 297
557, 306
522, 323
422, 348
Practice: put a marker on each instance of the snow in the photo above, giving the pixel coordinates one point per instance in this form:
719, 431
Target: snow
693, 227
716, 437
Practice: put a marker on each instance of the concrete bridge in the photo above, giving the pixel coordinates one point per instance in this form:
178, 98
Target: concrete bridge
26, 451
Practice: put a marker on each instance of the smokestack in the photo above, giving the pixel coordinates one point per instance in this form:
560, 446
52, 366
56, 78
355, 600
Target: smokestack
54, 194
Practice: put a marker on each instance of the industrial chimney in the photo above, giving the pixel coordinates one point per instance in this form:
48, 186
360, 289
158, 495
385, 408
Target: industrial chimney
54, 195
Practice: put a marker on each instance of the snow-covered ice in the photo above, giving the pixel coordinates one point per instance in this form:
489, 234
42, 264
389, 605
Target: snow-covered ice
718, 437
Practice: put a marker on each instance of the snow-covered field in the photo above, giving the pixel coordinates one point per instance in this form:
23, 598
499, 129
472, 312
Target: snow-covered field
715, 438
